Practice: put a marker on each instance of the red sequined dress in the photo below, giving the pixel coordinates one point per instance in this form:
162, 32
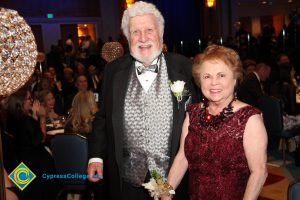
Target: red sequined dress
216, 158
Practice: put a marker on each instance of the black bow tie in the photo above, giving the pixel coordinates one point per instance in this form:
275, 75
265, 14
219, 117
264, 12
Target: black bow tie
141, 69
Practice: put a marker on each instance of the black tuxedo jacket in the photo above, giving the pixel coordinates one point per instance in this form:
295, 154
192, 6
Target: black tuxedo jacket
106, 139
250, 90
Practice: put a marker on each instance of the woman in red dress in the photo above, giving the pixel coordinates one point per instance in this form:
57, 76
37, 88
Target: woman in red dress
223, 141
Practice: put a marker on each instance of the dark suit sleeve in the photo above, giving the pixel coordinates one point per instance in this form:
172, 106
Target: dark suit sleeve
255, 88
97, 139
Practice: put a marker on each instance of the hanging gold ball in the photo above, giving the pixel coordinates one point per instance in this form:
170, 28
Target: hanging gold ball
112, 51
18, 52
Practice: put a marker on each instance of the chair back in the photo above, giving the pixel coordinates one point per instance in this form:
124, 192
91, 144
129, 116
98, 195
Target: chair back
294, 190
272, 114
70, 156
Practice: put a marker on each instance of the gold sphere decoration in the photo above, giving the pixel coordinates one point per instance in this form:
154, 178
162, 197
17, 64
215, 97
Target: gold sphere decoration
18, 51
112, 51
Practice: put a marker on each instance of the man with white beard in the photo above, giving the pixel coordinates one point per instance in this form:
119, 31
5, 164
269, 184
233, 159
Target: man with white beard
139, 124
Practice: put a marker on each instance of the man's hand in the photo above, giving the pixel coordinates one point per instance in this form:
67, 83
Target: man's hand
95, 171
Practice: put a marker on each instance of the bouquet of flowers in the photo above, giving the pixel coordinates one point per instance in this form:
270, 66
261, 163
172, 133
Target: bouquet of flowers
158, 186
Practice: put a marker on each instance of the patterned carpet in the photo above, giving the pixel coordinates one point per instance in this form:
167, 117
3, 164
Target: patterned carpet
276, 185
273, 178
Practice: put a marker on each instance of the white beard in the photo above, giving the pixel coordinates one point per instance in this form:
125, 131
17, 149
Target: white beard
148, 59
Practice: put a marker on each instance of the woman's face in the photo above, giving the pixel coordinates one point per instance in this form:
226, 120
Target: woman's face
49, 101
217, 81
27, 104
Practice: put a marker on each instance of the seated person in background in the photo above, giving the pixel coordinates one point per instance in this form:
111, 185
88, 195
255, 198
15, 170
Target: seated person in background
248, 66
45, 84
82, 113
55, 87
81, 83
68, 88
47, 100
94, 79
282, 60
23, 122
54, 78
80, 69
285, 90
32, 83
251, 89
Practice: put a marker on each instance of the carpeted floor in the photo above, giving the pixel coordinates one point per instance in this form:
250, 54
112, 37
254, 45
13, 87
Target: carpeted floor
279, 177
273, 178
276, 185
293, 171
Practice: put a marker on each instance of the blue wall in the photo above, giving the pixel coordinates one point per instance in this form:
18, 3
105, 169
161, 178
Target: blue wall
182, 23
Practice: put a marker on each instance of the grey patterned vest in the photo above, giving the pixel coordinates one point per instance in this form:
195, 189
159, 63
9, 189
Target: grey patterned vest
148, 121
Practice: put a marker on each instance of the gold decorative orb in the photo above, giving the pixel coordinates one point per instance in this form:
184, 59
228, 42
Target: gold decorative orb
112, 51
18, 52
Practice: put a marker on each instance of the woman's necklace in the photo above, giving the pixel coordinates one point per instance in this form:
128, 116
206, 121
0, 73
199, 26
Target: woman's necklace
208, 120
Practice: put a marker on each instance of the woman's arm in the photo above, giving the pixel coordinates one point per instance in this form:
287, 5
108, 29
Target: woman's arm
180, 163
255, 146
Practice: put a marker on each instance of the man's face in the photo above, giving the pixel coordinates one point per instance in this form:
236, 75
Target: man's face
81, 83
52, 71
144, 40
266, 73
68, 75
92, 70
284, 60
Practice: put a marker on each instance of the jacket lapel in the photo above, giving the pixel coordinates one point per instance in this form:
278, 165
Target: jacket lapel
120, 84
175, 74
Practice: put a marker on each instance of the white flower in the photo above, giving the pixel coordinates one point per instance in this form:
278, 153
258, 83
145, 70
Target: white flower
151, 185
158, 186
177, 88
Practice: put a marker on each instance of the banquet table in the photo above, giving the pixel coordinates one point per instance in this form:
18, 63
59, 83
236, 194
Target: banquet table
54, 128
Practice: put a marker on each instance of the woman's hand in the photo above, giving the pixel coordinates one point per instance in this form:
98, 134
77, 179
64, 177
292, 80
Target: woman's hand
35, 109
42, 112
59, 86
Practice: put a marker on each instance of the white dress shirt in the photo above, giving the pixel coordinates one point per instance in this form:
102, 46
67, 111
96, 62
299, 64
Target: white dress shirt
146, 79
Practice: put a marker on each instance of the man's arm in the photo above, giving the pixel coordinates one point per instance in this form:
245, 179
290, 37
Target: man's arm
96, 146
97, 140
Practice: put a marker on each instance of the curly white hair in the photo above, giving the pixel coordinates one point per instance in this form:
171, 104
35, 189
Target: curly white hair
138, 9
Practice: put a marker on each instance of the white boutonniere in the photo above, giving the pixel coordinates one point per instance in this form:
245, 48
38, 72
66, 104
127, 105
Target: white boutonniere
178, 90
158, 186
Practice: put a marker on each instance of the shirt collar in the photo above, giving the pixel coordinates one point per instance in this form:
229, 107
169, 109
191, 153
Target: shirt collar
137, 63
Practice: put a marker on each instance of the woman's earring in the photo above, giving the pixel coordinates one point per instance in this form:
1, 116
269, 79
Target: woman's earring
235, 93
